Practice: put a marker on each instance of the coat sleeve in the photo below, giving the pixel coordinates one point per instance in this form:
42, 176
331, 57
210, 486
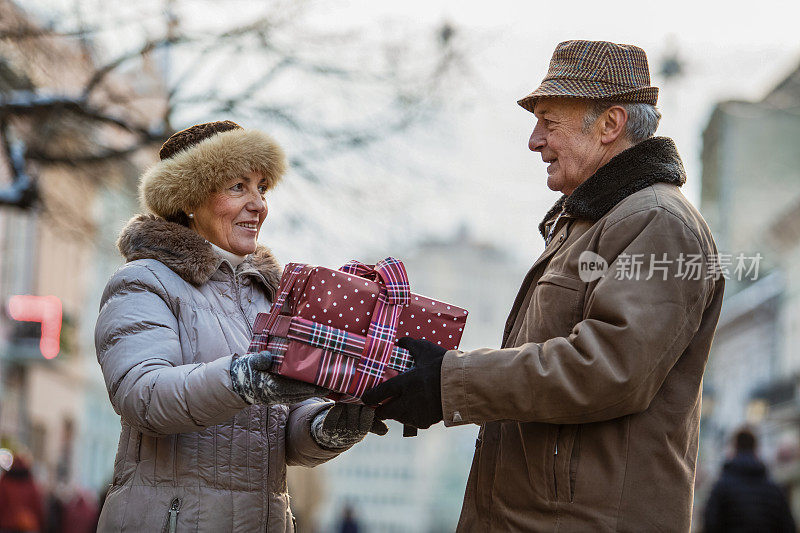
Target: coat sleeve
301, 448
140, 353
615, 359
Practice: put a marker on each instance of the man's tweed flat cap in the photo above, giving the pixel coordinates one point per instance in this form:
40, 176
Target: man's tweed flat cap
598, 70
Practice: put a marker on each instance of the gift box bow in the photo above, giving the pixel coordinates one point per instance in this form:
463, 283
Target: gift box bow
348, 362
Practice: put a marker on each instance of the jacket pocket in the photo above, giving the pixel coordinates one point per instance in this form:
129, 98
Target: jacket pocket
573, 464
560, 280
555, 463
138, 446
484, 465
556, 306
565, 458
171, 519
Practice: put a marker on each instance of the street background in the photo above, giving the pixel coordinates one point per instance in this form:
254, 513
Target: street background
401, 125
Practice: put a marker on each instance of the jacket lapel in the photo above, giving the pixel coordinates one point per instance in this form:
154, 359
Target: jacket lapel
654, 160
534, 274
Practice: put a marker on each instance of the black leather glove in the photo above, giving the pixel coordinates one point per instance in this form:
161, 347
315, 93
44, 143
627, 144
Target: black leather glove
252, 381
414, 397
345, 424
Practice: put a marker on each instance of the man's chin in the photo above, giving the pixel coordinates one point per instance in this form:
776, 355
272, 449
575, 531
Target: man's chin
554, 184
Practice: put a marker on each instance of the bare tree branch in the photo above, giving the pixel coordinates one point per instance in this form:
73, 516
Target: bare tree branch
26, 102
19, 34
22, 190
105, 155
399, 87
101, 73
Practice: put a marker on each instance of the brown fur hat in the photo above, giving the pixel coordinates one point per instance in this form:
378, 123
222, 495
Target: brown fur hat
198, 161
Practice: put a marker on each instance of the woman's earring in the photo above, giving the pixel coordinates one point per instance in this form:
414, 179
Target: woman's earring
191, 215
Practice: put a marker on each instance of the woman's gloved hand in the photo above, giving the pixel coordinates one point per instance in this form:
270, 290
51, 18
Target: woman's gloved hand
255, 384
345, 424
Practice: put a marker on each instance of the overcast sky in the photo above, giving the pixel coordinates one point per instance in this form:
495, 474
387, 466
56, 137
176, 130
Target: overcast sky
476, 150
729, 52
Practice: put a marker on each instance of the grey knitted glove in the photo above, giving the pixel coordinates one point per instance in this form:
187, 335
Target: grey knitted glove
345, 424
253, 382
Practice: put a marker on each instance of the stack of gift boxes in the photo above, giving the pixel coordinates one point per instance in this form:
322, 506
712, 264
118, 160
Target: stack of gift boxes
339, 328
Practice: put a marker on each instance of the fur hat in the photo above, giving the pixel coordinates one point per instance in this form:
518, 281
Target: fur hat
198, 161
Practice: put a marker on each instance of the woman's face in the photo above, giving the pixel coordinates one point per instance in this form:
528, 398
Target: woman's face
231, 218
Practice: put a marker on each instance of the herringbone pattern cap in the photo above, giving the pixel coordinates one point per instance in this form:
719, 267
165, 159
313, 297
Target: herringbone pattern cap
598, 70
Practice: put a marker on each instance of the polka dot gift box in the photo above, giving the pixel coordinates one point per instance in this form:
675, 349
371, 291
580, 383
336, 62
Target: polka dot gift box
339, 328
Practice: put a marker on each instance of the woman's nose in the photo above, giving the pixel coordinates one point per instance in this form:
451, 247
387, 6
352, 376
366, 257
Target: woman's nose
257, 204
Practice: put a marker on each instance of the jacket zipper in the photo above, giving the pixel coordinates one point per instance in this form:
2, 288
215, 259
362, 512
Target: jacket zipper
171, 520
238, 294
270, 470
554, 226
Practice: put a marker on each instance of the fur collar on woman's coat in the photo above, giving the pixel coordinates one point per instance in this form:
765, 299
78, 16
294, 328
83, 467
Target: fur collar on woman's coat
185, 252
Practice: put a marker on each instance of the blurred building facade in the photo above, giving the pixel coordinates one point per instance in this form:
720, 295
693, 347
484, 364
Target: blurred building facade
751, 198
61, 243
396, 484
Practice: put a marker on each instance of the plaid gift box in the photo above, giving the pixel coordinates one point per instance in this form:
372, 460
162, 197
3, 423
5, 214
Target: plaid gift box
338, 328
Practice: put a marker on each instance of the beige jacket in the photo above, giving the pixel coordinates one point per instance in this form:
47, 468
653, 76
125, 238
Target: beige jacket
590, 413
193, 456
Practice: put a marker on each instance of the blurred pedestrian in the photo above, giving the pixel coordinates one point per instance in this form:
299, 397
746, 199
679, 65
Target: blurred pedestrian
21, 505
54, 508
80, 512
745, 499
590, 409
207, 431
348, 522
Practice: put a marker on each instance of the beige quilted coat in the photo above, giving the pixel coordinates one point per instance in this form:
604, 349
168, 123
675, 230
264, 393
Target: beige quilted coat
193, 456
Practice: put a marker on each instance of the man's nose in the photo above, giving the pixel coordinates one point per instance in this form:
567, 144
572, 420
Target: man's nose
537, 140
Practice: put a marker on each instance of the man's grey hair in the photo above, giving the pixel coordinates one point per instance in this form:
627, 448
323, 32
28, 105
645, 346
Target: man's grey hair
642, 118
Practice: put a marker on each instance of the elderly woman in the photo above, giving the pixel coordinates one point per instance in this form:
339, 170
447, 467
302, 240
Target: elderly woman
207, 432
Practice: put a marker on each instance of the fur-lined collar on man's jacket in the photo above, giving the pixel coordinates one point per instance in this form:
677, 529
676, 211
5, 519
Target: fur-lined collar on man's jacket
187, 253
654, 160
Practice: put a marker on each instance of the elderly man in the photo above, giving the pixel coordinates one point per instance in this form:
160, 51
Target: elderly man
590, 411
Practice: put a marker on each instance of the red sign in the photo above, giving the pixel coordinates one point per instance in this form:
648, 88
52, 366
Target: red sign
43, 309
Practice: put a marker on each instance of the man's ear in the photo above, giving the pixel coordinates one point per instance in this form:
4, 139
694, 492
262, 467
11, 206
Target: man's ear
612, 124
